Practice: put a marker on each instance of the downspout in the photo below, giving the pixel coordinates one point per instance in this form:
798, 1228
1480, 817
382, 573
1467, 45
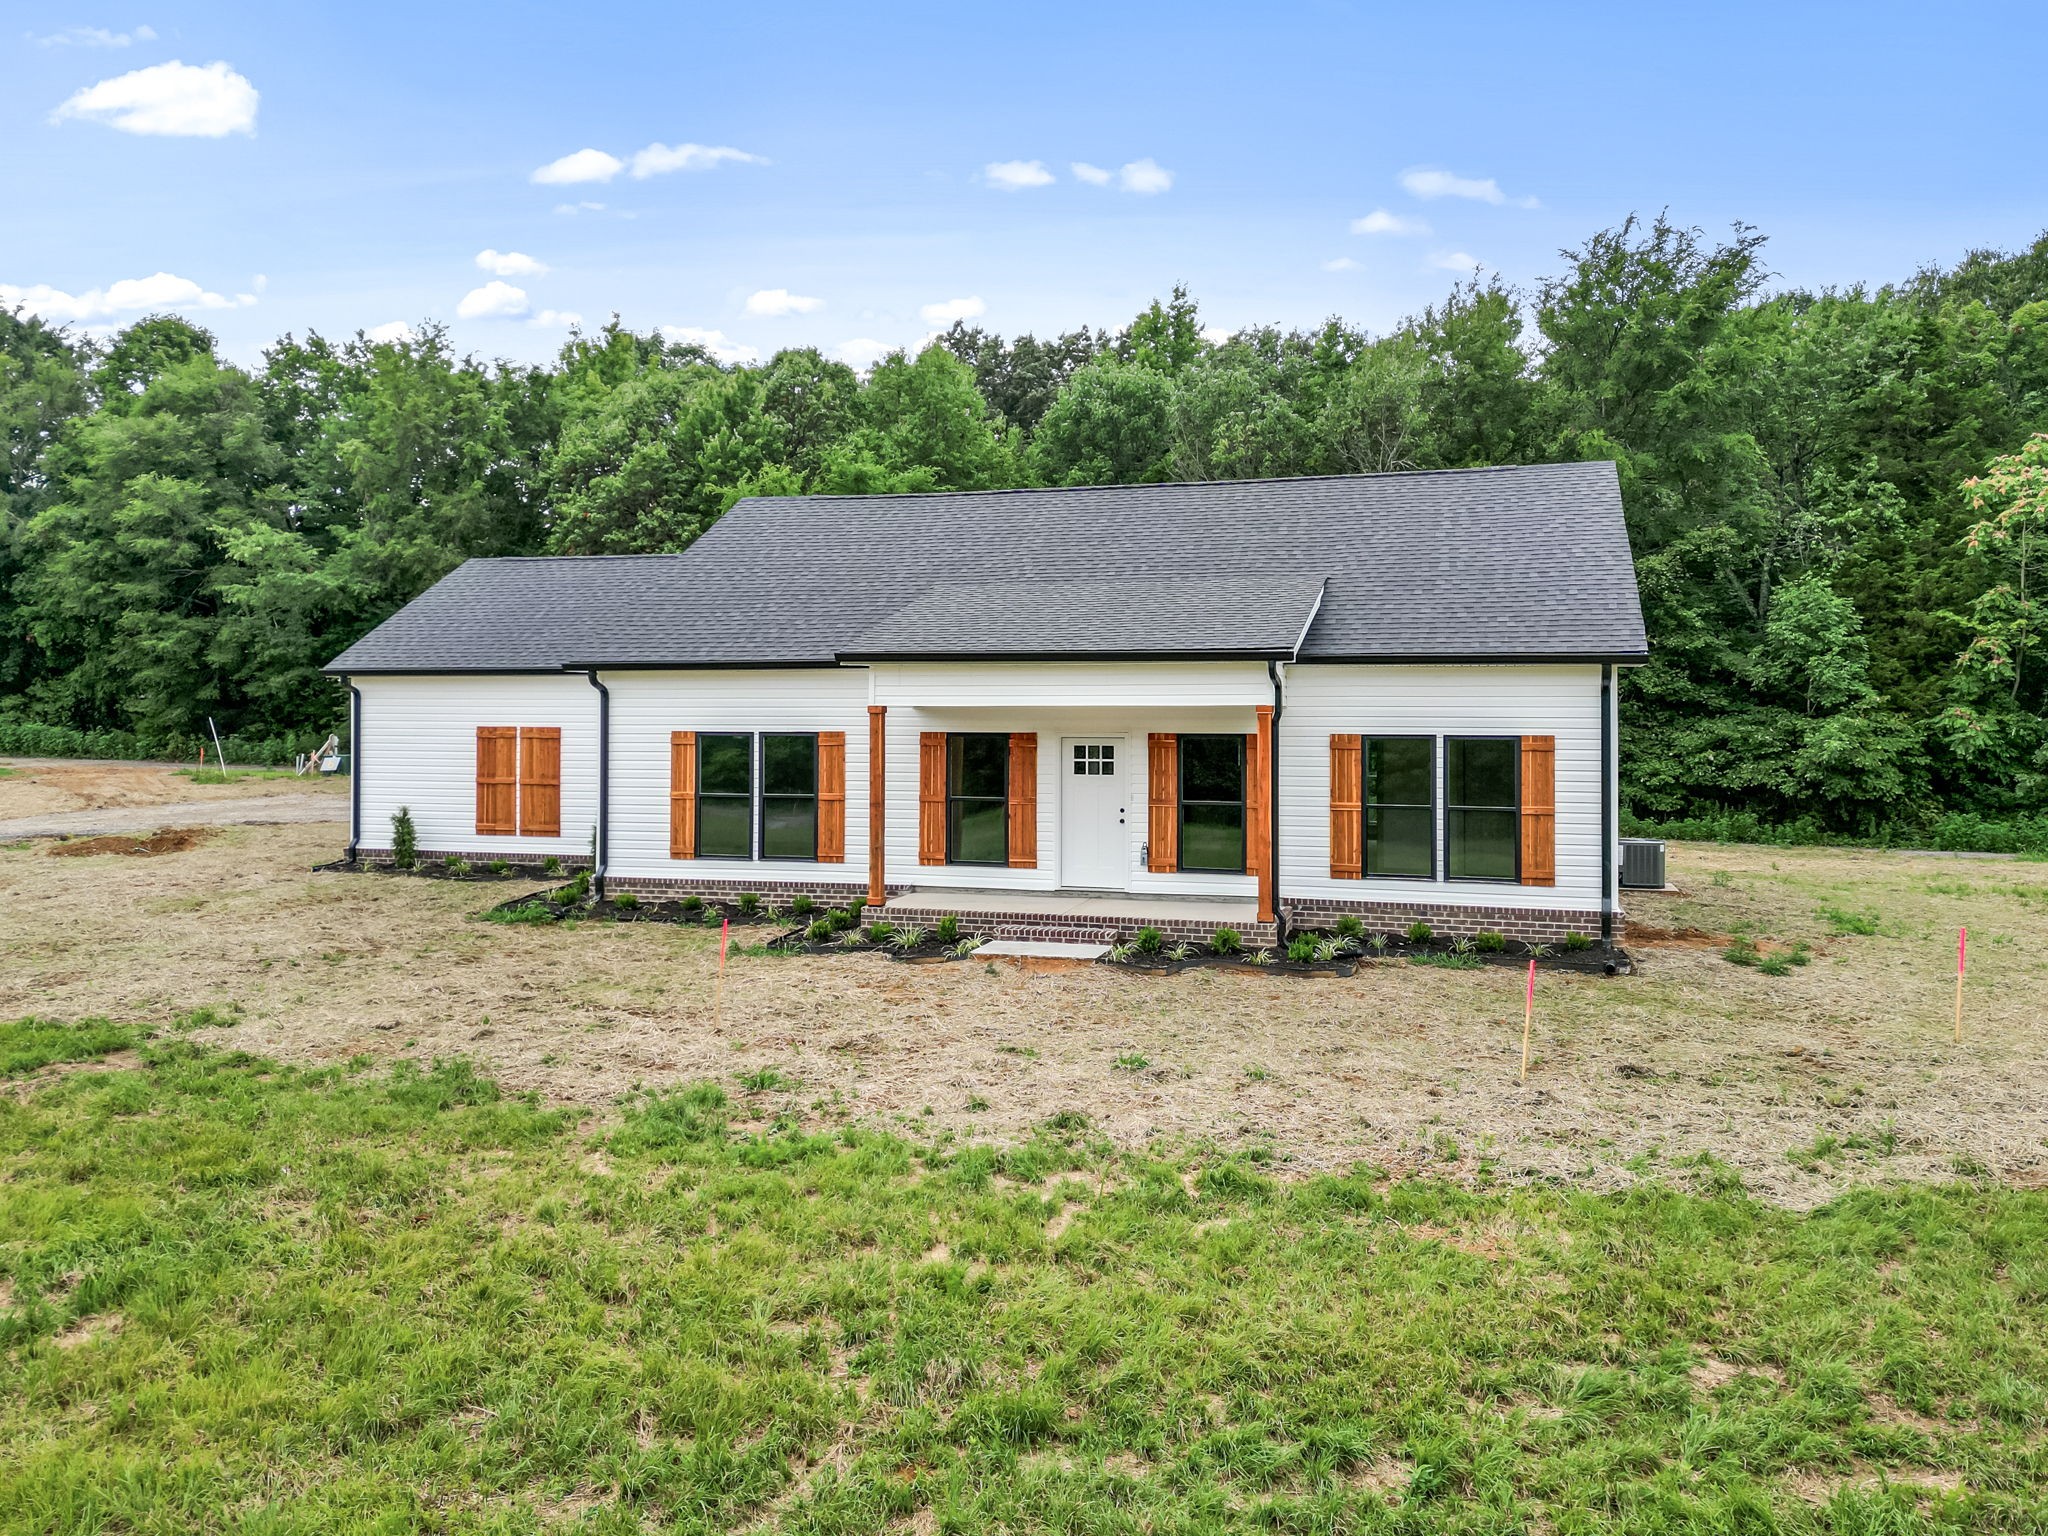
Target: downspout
355, 771
1607, 805
1273, 804
604, 785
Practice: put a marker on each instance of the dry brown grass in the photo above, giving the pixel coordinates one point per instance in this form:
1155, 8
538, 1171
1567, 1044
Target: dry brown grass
1399, 1065
40, 787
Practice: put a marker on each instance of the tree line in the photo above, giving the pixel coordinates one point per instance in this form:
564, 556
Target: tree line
1838, 501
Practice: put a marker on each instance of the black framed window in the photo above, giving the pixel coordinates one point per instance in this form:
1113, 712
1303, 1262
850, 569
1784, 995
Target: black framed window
1482, 807
1212, 803
1400, 807
725, 796
789, 797
977, 798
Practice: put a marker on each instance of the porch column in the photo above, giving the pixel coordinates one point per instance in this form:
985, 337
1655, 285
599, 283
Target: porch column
1262, 811
877, 818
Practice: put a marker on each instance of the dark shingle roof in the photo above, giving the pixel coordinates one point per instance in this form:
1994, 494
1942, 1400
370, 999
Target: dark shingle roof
1516, 564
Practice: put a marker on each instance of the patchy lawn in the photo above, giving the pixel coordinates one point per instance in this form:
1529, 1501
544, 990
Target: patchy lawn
242, 1297
41, 786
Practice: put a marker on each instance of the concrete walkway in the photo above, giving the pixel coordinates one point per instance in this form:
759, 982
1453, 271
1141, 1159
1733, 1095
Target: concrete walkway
256, 811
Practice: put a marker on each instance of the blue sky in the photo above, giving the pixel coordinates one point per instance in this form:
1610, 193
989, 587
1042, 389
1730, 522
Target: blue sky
327, 167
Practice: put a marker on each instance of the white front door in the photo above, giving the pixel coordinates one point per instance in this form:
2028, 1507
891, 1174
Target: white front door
1095, 844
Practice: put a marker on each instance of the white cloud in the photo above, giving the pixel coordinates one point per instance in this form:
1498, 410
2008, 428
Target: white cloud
717, 343
863, 351
97, 37
575, 208
658, 159
389, 331
1428, 183
259, 282
584, 165
1381, 222
1094, 175
1015, 175
555, 319
1455, 261
1216, 335
949, 310
1145, 177
1340, 264
161, 290
495, 300
509, 264
180, 100
780, 301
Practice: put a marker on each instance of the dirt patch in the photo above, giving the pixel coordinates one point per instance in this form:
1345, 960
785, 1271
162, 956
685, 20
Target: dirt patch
44, 786
1711, 1373
173, 840
1383, 1475
1676, 938
87, 1330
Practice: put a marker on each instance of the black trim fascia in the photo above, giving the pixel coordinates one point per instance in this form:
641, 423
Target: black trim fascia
1615, 659
355, 770
1607, 809
600, 855
452, 671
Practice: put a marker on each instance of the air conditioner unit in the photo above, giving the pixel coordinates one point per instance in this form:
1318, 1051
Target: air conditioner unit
1642, 864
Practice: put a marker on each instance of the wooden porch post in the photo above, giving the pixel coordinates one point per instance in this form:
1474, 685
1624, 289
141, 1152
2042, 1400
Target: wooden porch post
1262, 813
877, 818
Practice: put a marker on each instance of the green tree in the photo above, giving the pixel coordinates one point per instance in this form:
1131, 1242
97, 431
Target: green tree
1111, 425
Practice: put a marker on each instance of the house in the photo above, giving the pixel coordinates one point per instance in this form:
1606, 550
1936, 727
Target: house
1058, 713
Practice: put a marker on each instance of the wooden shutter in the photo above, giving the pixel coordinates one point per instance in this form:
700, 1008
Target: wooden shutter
540, 781
831, 797
497, 781
1023, 807
931, 797
682, 794
1347, 808
1162, 757
1258, 801
1539, 810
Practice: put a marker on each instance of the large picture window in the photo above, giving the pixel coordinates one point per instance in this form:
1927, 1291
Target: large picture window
1212, 803
789, 797
977, 798
1482, 807
1400, 807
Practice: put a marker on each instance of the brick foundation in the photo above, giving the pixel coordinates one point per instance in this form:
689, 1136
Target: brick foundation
827, 893
1540, 925
1087, 930
571, 862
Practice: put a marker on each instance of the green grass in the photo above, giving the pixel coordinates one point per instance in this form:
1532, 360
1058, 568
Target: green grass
401, 1301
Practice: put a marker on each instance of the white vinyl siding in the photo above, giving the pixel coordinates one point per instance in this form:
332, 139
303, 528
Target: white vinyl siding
1322, 700
648, 706
1139, 685
419, 751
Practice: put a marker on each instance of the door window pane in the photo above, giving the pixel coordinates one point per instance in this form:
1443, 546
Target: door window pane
725, 797
1482, 816
1212, 803
789, 797
977, 798
1400, 806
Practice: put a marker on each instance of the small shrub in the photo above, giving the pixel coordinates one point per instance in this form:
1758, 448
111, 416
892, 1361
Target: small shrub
405, 840
1490, 942
1301, 949
1351, 926
905, 939
455, 865
750, 903
576, 889
840, 921
692, 905
500, 867
949, 929
1148, 941
820, 931
1420, 932
857, 908
1461, 946
880, 933
1537, 951
1378, 942
626, 901
1576, 942
1118, 954
1330, 949
1180, 952
802, 906
966, 947
1259, 957
1225, 941
849, 937
1774, 965
1742, 951
551, 866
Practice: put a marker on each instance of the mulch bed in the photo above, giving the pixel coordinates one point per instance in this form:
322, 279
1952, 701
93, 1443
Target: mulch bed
437, 869
128, 845
1441, 952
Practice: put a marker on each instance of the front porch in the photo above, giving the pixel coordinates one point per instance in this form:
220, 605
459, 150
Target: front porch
1082, 917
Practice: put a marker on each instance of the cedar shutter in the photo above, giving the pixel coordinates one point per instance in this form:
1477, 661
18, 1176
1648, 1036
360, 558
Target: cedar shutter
1539, 810
931, 797
1162, 756
831, 797
540, 781
1347, 808
1258, 801
497, 781
682, 794
1023, 806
